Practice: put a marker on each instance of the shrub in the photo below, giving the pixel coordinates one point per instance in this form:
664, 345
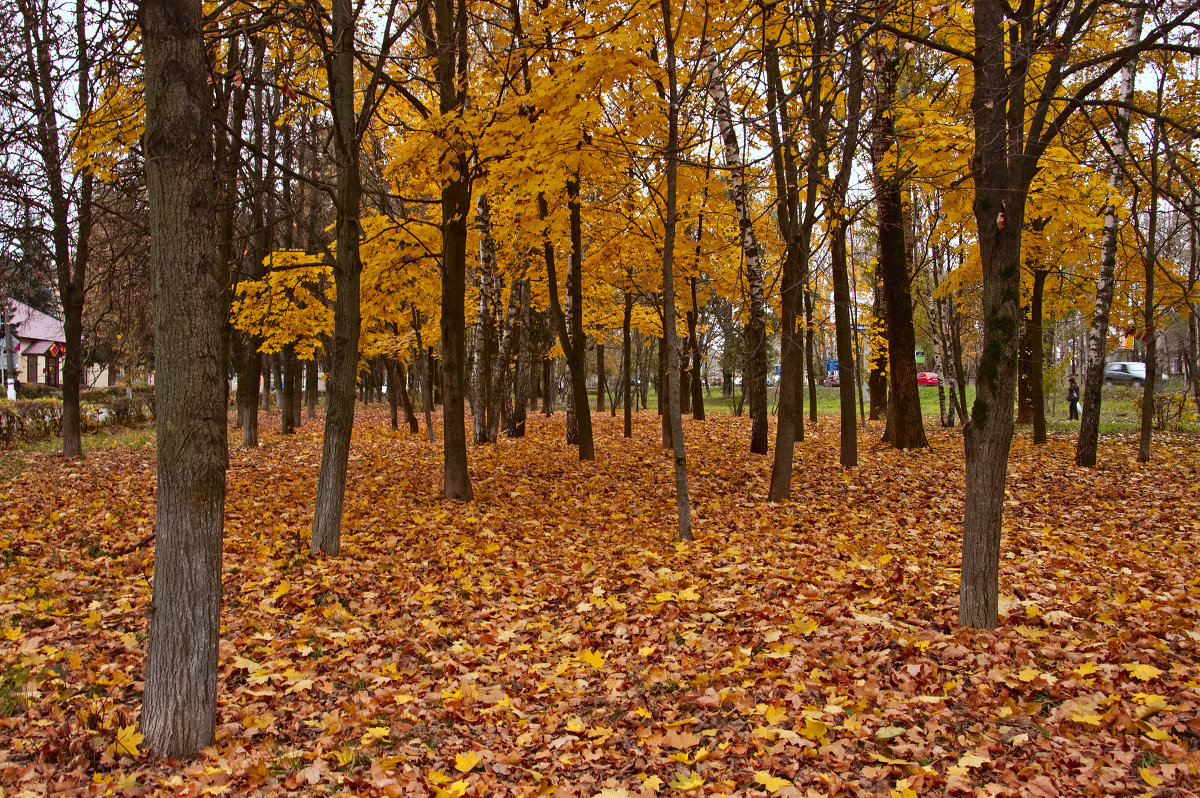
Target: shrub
38, 391
32, 420
1170, 409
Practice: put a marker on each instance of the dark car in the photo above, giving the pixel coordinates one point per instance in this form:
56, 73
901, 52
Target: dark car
927, 378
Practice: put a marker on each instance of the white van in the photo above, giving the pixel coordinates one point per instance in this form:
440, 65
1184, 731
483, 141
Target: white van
1125, 372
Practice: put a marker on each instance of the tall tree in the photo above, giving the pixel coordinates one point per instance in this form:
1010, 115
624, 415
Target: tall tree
180, 700
755, 372
350, 122
904, 428
670, 351
1015, 118
70, 262
1097, 339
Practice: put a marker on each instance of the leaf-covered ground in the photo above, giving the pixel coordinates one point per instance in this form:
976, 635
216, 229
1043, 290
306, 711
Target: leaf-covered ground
552, 638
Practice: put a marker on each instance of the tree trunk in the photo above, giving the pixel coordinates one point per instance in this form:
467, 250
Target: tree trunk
1097, 339
1000, 216
180, 699
905, 429
347, 272
600, 376
626, 366
485, 331
1024, 365
845, 346
1036, 388
1150, 266
661, 390
809, 355
311, 387
670, 220
289, 371
754, 378
877, 381
525, 364
570, 324
455, 203
697, 358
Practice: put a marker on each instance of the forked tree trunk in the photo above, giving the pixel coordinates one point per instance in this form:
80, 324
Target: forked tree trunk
999, 208
570, 325
180, 699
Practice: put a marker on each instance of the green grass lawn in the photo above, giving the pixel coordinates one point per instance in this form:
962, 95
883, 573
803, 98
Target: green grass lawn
1118, 412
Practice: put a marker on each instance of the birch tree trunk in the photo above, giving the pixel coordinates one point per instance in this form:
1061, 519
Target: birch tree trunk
754, 379
485, 335
1097, 338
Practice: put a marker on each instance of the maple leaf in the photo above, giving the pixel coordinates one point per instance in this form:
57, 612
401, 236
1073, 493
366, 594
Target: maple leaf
686, 782
593, 658
455, 790
814, 729
772, 783
466, 762
1090, 718
127, 741
888, 732
972, 761
1142, 671
374, 734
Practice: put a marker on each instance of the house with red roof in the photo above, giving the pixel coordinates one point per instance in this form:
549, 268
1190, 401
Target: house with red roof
39, 344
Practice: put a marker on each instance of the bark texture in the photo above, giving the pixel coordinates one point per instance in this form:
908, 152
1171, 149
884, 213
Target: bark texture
347, 275
1097, 339
180, 700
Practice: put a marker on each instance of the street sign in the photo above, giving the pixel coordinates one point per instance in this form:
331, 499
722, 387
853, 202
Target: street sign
831, 365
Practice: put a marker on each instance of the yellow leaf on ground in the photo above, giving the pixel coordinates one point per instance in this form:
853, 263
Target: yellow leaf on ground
1087, 717
593, 658
374, 734
772, 783
972, 761
1149, 777
814, 729
455, 790
465, 763
127, 742
1142, 671
688, 782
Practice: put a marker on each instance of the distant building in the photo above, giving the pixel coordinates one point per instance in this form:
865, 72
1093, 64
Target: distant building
39, 346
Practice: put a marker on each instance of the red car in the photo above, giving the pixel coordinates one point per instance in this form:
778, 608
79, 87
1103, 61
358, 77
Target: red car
927, 378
